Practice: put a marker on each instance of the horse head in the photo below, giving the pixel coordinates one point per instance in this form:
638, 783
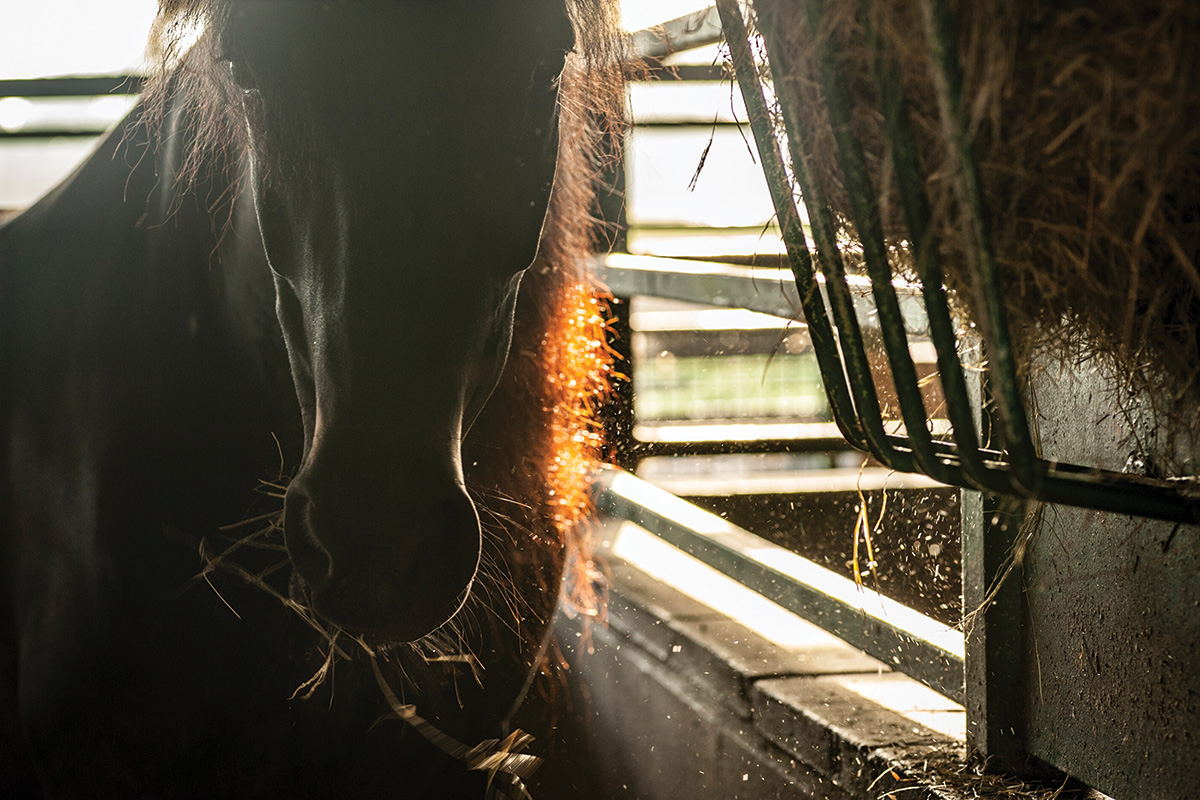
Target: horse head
400, 157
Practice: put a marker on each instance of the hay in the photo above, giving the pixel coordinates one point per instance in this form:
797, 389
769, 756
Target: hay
1083, 120
948, 773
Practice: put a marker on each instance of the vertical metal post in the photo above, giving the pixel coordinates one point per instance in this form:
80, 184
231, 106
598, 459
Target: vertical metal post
613, 225
620, 447
610, 196
993, 605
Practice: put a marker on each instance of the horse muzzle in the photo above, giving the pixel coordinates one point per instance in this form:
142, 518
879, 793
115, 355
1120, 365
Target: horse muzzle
390, 566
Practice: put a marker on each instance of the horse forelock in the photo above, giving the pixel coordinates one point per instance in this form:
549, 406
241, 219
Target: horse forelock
186, 55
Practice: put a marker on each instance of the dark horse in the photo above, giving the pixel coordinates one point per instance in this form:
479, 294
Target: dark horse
310, 244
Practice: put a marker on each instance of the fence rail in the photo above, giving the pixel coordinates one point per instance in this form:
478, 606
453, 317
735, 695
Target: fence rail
66, 88
907, 640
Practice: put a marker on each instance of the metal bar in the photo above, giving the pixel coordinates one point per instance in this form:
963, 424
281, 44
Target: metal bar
67, 88
1071, 485
772, 291
72, 87
919, 646
768, 290
947, 82
916, 207
684, 33
993, 597
734, 432
710, 447
688, 73
762, 259
897, 454
765, 290
52, 133
846, 412
870, 229
1017, 472
696, 125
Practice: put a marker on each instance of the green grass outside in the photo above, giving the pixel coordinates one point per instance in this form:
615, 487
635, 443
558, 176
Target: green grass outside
729, 387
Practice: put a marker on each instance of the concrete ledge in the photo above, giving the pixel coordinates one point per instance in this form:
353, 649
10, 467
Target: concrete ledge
674, 699
720, 657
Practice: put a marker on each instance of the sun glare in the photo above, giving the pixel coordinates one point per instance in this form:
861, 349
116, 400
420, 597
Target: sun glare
74, 37
638, 14
82, 37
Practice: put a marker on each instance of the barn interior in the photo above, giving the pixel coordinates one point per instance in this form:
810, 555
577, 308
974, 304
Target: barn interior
869, 526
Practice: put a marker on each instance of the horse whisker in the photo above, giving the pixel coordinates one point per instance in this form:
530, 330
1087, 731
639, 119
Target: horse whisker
249, 521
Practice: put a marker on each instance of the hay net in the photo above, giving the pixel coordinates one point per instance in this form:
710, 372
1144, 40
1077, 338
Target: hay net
1082, 119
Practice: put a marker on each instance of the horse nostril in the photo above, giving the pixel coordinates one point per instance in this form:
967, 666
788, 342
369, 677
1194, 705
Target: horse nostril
393, 569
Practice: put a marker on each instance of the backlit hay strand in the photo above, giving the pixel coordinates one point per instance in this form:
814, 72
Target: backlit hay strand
1083, 118
583, 363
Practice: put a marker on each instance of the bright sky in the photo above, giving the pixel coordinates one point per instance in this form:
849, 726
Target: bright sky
73, 37
69, 37
44, 38
638, 14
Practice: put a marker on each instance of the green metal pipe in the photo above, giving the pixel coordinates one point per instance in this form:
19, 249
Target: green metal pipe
947, 82
799, 258
915, 204
865, 214
869, 418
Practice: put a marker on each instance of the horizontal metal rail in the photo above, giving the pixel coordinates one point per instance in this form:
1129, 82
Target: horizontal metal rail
67, 88
684, 33
686, 73
72, 87
686, 125
920, 647
53, 133
768, 290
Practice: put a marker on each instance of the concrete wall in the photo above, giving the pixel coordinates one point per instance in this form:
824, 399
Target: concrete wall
1112, 607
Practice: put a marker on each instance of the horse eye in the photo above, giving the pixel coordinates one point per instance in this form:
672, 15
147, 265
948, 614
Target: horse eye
243, 76
555, 62
548, 69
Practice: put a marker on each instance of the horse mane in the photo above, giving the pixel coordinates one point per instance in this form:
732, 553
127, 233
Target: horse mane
541, 418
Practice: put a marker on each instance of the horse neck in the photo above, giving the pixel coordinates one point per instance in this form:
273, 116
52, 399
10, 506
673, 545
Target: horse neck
129, 241
106, 220
207, 221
